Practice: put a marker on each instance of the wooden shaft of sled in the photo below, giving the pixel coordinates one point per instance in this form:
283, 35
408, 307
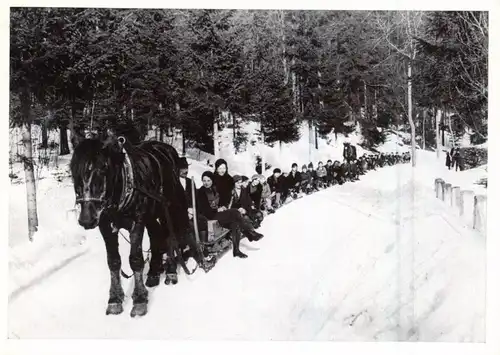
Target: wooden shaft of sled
195, 220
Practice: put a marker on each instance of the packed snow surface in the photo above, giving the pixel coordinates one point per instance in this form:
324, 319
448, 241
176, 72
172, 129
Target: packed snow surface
377, 259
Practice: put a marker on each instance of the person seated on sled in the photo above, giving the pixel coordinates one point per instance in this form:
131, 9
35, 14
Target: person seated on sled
314, 178
329, 173
242, 201
211, 208
267, 196
354, 166
362, 165
294, 181
320, 176
344, 171
277, 185
245, 182
223, 182
255, 190
305, 180
338, 178
286, 189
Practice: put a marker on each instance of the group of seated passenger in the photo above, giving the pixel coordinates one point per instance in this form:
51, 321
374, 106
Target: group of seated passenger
240, 204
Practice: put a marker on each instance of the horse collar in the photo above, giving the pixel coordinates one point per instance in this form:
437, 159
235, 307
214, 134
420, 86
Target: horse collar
128, 181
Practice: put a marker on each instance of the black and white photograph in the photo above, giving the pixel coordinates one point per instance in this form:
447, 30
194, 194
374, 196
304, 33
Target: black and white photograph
248, 174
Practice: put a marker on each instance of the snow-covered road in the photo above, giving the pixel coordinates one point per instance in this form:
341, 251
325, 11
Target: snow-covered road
379, 259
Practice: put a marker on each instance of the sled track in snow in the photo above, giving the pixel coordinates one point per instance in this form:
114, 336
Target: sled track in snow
51, 271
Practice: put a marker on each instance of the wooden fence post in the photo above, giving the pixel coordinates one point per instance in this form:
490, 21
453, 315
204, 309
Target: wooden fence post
447, 193
467, 206
455, 197
440, 191
437, 185
480, 213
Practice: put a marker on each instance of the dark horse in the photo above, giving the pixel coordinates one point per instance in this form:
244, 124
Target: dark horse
133, 187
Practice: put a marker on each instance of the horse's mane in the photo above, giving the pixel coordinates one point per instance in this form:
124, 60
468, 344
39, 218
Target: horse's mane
95, 151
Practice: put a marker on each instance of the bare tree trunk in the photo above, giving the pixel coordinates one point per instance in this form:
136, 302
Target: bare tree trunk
283, 38
452, 136
424, 113
45, 135
63, 139
161, 133
262, 153
216, 136
410, 118
365, 98
438, 120
311, 138
30, 181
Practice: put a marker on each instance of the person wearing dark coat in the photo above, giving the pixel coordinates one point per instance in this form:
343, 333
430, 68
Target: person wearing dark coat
294, 180
277, 185
448, 160
223, 182
305, 180
242, 201
255, 190
211, 208
458, 160
329, 173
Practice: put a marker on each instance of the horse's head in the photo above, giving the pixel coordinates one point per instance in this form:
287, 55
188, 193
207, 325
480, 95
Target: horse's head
94, 166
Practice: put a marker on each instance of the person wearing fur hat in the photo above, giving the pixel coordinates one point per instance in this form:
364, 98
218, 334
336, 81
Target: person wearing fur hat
211, 208
223, 182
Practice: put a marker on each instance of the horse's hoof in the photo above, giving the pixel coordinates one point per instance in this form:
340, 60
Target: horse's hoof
171, 278
114, 308
153, 281
139, 310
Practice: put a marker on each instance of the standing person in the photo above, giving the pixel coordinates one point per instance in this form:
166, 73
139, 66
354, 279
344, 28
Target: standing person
452, 155
448, 160
210, 207
458, 160
223, 182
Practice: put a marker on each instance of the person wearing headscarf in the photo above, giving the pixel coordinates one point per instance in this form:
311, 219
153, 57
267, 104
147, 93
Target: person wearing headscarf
223, 182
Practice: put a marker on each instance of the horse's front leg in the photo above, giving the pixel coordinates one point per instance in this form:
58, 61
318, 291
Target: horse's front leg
155, 265
136, 260
116, 294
